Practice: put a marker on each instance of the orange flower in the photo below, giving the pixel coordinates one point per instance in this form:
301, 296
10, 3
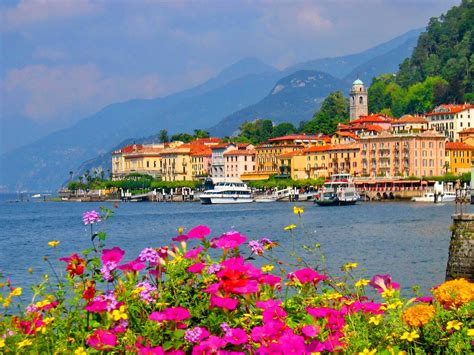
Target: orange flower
418, 315
454, 293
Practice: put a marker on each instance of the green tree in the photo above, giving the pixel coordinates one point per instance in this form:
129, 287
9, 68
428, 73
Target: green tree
334, 110
163, 136
283, 129
200, 133
183, 137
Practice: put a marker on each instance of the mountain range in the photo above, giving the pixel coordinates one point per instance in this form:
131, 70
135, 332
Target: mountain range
246, 90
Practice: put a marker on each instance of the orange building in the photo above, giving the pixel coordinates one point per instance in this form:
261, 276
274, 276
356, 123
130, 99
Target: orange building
404, 154
458, 157
137, 158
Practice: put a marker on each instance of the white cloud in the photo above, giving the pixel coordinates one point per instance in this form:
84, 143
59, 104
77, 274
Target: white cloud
46, 93
29, 12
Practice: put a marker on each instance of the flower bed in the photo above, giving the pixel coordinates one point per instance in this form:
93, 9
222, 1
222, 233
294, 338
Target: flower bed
181, 298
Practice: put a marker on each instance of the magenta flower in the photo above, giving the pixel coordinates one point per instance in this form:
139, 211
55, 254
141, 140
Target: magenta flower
209, 346
383, 283
148, 350
180, 238
310, 331
223, 302
96, 306
196, 268
193, 253
256, 247
170, 314
228, 241
274, 314
268, 304
132, 266
307, 275
236, 336
199, 232
424, 299
91, 217
149, 254
112, 255
271, 280
102, 339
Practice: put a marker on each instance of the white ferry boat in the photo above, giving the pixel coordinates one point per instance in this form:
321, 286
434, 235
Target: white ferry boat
437, 195
338, 191
227, 192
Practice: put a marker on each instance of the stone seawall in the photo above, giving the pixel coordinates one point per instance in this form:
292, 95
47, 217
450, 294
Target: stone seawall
461, 248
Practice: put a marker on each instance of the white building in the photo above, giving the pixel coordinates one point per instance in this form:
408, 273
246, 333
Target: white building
451, 119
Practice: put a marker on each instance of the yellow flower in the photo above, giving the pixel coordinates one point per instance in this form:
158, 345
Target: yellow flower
180, 230
54, 243
332, 296
389, 292
80, 351
375, 319
118, 314
30, 270
24, 343
48, 320
362, 282
298, 210
290, 227
395, 305
418, 315
410, 336
2, 343
368, 352
16, 292
470, 332
454, 293
6, 302
349, 266
454, 324
267, 268
340, 284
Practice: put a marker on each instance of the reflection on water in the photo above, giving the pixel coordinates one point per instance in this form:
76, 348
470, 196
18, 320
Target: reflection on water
407, 240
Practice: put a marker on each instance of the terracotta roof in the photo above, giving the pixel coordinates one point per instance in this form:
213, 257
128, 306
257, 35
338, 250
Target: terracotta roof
292, 154
377, 118
411, 119
240, 152
207, 140
221, 145
449, 109
295, 137
348, 134
331, 147
458, 146
467, 131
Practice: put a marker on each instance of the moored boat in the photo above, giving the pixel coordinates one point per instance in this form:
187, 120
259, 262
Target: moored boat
226, 192
339, 191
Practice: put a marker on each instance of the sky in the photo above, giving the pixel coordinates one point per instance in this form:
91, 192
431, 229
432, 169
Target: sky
61, 60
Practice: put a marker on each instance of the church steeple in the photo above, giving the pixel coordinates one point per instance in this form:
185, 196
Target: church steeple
359, 100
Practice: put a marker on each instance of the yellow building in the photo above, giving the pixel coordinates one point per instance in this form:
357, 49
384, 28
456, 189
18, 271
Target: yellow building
458, 157
267, 154
137, 158
292, 165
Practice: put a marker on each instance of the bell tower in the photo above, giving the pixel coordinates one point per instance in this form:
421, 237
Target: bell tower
359, 104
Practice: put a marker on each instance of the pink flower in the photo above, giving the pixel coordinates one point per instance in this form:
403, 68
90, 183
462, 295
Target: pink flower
209, 346
228, 241
310, 331
148, 350
114, 255
383, 283
307, 275
96, 306
180, 238
102, 339
424, 299
236, 336
132, 266
271, 280
90, 217
274, 314
268, 304
199, 232
196, 335
193, 253
196, 268
170, 314
223, 302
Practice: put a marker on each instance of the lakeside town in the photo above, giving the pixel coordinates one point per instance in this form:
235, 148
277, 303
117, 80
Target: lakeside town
388, 157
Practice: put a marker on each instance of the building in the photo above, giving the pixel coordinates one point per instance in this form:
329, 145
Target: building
358, 105
266, 154
239, 161
408, 123
458, 157
137, 159
200, 161
467, 136
333, 159
403, 154
451, 119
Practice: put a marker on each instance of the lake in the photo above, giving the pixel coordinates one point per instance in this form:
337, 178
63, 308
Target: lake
407, 240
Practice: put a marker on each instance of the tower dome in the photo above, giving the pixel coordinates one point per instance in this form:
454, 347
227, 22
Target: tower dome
358, 100
358, 82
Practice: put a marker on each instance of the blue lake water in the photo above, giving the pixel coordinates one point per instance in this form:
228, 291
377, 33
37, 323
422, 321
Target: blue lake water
407, 240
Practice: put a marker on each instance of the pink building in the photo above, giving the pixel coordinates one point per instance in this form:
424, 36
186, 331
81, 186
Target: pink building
238, 162
403, 154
